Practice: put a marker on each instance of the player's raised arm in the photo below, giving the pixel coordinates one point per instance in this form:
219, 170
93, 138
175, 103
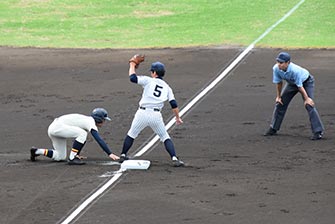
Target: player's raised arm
134, 62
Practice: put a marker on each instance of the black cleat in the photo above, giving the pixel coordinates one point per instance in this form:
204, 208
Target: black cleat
33, 154
76, 161
178, 163
270, 132
317, 136
123, 157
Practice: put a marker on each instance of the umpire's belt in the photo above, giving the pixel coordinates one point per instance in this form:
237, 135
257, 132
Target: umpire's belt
154, 109
307, 79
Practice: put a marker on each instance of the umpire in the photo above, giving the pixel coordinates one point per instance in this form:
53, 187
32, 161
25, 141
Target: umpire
297, 79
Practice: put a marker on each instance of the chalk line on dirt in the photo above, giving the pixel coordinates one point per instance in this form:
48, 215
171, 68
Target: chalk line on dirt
116, 175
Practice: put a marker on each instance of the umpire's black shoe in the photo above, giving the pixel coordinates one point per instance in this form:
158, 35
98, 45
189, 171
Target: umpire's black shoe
33, 154
123, 157
317, 136
177, 163
76, 161
270, 132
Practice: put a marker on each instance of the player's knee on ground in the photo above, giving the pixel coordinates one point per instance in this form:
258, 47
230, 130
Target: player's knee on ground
57, 156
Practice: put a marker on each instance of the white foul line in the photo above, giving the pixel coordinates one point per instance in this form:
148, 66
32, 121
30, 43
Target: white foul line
118, 174
219, 78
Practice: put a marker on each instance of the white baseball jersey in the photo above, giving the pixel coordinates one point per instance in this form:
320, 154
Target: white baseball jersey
156, 92
68, 126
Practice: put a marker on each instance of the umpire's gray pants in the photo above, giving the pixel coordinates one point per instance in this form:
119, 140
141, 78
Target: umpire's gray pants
288, 93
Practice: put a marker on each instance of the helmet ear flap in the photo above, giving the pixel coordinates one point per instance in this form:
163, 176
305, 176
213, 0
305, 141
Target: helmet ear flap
97, 119
99, 115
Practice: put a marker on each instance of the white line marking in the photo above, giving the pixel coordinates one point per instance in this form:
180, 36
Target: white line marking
118, 174
219, 78
89, 200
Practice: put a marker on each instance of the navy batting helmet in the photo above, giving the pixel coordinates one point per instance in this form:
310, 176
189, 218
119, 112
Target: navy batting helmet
99, 115
158, 67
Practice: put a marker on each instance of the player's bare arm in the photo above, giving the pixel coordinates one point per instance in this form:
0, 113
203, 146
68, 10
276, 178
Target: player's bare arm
176, 113
279, 88
114, 157
132, 68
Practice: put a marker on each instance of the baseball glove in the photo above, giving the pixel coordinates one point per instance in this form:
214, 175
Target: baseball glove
137, 59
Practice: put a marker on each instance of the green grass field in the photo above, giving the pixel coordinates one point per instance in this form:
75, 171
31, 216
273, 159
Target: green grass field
160, 23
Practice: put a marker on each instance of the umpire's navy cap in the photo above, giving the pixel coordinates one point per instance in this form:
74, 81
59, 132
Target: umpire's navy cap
157, 66
283, 57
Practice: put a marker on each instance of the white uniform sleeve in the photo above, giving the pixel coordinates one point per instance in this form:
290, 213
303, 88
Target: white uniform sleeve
170, 94
143, 80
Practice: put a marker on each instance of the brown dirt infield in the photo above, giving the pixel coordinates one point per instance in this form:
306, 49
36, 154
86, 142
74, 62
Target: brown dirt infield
233, 173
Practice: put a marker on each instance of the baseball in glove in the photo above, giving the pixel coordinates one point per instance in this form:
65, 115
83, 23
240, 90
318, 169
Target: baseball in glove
137, 59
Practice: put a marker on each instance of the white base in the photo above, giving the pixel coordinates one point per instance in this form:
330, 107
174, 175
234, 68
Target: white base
135, 164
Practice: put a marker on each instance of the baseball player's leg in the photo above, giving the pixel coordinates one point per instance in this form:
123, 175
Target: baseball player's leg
128, 142
76, 149
59, 152
157, 125
169, 146
80, 136
57, 129
62, 131
34, 152
138, 124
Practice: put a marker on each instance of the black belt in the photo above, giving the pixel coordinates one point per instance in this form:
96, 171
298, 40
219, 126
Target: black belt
155, 109
307, 79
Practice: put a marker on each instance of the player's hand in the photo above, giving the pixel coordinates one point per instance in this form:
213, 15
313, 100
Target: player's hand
114, 157
179, 121
278, 100
81, 157
137, 59
133, 64
309, 101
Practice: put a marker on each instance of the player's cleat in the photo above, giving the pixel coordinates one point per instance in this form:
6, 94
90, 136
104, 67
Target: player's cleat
317, 136
76, 161
177, 163
33, 154
123, 157
270, 132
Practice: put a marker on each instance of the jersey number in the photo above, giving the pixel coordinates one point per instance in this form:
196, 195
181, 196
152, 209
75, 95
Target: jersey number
158, 92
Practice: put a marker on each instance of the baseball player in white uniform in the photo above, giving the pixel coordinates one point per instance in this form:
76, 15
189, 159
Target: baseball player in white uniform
74, 126
155, 92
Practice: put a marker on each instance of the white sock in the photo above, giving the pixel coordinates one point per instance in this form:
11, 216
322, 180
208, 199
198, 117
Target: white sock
174, 158
72, 155
40, 151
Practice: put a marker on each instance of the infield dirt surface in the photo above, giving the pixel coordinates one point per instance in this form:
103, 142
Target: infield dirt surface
233, 175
